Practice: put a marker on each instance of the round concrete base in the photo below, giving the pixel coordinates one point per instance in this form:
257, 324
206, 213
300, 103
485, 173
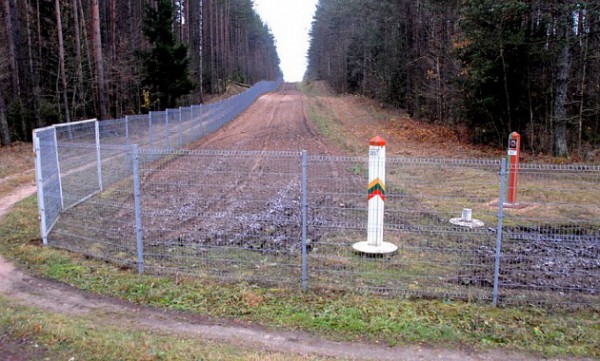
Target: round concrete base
367, 249
474, 223
515, 205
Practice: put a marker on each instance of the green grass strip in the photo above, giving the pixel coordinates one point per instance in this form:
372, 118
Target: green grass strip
339, 316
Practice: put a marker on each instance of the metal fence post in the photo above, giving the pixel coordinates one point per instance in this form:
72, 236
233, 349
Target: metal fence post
150, 133
180, 130
39, 180
167, 131
192, 122
304, 211
499, 232
201, 130
138, 209
98, 155
127, 142
60, 188
127, 131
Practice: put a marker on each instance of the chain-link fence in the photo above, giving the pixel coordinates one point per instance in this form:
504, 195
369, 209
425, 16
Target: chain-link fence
79, 159
290, 219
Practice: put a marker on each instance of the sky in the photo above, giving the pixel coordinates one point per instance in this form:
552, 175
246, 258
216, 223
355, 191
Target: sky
290, 22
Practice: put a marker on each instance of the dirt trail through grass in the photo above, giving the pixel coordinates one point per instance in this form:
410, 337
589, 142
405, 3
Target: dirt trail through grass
60, 298
275, 121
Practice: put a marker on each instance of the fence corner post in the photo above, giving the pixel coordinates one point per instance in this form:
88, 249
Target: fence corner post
40, 188
138, 209
499, 232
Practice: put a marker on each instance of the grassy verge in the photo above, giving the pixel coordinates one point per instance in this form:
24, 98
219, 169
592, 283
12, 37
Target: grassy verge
325, 120
16, 158
8, 185
16, 167
338, 316
56, 337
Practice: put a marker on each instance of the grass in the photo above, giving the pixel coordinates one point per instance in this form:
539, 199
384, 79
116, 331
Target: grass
323, 117
9, 184
90, 338
16, 158
341, 316
16, 167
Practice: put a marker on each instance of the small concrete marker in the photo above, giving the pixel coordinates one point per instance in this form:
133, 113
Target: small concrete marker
374, 245
466, 219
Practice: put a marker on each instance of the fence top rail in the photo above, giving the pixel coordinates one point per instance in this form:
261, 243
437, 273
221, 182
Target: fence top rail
90, 145
74, 124
137, 117
47, 129
560, 167
63, 125
109, 122
218, 152
405, 160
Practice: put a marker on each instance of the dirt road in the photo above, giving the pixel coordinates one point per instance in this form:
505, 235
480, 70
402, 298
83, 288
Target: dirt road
277, 121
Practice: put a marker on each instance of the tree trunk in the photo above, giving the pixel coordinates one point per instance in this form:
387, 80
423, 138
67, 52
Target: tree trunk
4, 130
213, 46
12, 48
113, 74
98, 59
12, 35
87, 55
78, 92
582, 90
33, 71
509, 126
61, 60
201, 48
560, 148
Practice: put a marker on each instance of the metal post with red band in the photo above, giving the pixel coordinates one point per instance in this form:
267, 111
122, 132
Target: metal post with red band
514, 154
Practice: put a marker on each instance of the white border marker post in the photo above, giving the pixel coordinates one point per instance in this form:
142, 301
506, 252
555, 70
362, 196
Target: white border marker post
376, 196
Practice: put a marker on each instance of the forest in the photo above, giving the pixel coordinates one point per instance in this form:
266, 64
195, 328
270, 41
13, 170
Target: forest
490, 66
65, 60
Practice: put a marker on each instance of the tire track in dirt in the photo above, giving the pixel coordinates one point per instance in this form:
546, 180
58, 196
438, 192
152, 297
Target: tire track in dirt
51, 296
20, 193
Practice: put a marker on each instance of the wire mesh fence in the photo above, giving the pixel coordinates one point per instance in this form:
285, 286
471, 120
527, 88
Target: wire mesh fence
435, 257
73, 156
127, 192
551, 249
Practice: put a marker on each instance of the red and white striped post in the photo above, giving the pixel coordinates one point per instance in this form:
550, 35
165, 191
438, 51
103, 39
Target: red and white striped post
376, 198
514, 153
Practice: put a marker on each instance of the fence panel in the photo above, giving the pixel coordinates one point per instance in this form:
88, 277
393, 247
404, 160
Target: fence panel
435, 258
551, 248
104, 225
231, 215
78, 161
238, 216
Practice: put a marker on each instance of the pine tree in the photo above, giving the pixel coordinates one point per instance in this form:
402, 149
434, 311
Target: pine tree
166, 63
495, 58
